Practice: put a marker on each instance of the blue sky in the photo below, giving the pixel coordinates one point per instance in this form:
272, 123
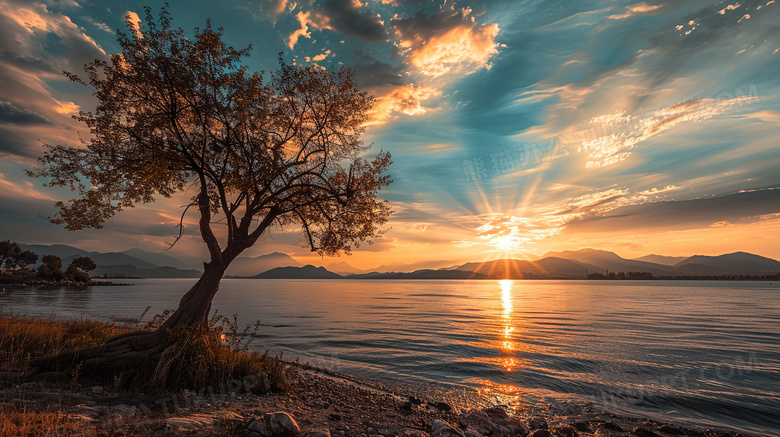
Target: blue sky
515, 126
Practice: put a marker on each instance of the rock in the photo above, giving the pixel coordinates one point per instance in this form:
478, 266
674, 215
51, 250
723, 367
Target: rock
537, 422
470, 432
565, 431
496, 413
582, 427
97, 390
668, 429
444, 429
406, 432
278, 424
612, 426
541, 433
501, 431
443, 406
643, 432
282, 424
407, 407
415, 401
477, 420
335, 417
515, 425
260, 426
318, 433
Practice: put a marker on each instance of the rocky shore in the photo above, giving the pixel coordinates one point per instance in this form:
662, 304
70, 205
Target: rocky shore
320, 405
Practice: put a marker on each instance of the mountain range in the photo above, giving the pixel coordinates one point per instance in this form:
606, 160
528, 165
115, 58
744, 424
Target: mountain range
559, 265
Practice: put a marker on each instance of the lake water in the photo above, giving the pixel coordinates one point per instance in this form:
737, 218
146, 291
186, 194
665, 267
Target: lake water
696, 353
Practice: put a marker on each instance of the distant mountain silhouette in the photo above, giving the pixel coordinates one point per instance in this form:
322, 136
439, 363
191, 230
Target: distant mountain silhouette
661, 259
135, 272
161, 259
737, 262
343, 268
559, 265
246, 266
68, 253
305, 272
609, 261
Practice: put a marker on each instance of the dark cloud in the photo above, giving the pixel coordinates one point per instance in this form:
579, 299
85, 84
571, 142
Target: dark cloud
28, 63
378, 74
426, 26
344, 17
23, 117
682, 214
14, 144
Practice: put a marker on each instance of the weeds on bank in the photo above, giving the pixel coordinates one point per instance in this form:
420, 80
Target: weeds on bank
23, 339
194, 356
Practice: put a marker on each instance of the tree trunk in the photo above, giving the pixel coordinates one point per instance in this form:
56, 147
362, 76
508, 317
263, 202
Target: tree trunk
129, 350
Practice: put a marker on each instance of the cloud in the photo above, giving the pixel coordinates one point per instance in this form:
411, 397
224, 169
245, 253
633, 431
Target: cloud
520, 232
135, 21
625, 132
406, 99
729, 8
378, 73
703, 212
102, 26
346, 17
38, 45
635, 9
320, 57
275, 8
303, 31
451, 41
11, 114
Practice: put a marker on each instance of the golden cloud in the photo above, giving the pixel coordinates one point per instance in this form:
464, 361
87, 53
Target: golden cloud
622, 132
406, 99
456, 43
635, 9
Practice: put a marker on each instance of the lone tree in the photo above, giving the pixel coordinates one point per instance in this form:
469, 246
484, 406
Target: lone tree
176, 114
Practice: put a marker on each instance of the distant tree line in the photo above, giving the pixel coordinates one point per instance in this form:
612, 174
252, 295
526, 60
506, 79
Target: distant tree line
15, 261
648, 275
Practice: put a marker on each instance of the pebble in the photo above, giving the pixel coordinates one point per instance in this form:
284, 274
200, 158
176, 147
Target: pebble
278, 424
444, 429
537, 423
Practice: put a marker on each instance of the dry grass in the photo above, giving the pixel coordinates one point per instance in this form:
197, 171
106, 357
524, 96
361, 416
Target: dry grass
195, 357
23, 339
42, 423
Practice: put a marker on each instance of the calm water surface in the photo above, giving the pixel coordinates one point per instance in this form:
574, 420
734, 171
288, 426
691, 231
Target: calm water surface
699, 353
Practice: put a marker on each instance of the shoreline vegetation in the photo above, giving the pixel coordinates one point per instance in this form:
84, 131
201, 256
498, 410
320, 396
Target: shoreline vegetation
211, 384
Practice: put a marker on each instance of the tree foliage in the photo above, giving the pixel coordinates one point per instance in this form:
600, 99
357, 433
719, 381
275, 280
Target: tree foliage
51, 268
84, 264
177, 113
8, 250
78, 269
13, 257
22, 259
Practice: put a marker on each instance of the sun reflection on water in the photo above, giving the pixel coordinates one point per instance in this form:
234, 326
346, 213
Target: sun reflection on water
505, 393
506, 297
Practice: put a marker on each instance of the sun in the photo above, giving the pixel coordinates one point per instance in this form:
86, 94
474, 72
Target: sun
506, 243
